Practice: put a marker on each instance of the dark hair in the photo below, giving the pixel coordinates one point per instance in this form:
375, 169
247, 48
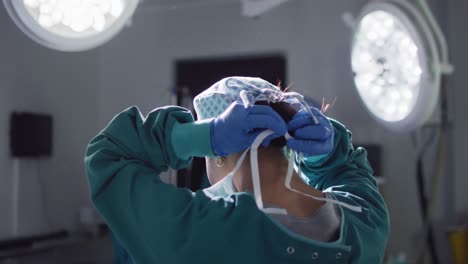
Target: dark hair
286, 111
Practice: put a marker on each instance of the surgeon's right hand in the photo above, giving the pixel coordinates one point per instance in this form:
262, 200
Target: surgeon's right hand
309, 138
237, 127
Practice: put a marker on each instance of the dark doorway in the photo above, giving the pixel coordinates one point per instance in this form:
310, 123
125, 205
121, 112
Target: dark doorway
192, 76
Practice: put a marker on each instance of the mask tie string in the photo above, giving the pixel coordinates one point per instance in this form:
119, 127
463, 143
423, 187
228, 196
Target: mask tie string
256, 177
239, 163
287, 182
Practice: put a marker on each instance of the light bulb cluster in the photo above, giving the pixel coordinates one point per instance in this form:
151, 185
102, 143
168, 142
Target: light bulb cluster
72, 17
387, 66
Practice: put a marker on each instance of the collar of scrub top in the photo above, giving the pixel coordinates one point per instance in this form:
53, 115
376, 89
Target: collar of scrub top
256, 177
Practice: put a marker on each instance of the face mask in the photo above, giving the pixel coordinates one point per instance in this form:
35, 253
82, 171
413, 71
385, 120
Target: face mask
256, 177
222, 188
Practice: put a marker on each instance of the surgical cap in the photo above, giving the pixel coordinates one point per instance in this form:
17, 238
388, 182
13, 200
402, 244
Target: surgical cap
247, 90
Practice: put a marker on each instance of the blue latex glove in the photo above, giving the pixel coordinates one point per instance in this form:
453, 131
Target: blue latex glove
309, 138
237, 127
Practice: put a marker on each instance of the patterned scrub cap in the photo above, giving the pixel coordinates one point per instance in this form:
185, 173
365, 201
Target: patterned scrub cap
247, 90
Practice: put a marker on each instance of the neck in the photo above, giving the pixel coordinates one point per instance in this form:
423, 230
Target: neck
273, 169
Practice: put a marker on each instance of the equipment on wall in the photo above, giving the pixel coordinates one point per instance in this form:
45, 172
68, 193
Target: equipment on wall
70, 25
30, 135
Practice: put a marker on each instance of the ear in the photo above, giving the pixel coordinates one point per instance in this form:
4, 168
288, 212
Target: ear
215, 173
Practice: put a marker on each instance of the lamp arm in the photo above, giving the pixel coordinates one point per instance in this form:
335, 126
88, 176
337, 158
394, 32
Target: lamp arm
444, 54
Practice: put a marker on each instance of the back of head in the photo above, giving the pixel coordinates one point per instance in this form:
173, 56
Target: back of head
287, 112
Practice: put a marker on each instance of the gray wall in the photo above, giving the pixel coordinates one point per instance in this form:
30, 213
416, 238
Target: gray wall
33, 78
8, 97
458, 41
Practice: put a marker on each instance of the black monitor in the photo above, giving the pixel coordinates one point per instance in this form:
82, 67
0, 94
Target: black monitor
30, 135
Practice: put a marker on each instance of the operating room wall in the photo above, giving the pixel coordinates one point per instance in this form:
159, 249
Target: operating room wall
64, 85
458, 43
137, 69
7, 99
34, 78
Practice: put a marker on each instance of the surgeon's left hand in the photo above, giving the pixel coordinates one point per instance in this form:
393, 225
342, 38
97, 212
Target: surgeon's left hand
310, 138
237, 127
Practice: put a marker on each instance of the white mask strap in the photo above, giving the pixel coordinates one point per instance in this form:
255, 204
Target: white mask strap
287, 183
239, 163
256, 175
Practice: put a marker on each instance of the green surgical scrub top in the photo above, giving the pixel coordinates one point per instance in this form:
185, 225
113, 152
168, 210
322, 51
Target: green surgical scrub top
159, 223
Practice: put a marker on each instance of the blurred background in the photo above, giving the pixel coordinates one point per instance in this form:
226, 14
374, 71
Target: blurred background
168, 51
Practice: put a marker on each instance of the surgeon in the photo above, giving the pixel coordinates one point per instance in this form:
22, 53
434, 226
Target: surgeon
287, 184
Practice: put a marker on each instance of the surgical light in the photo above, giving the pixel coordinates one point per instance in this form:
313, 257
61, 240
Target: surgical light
70, 25
400, 61
397, 64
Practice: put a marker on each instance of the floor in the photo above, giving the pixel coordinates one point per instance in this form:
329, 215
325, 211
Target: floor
91, 251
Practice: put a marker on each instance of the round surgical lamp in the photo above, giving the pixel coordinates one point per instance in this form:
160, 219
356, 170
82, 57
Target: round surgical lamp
397, 64
70, 25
